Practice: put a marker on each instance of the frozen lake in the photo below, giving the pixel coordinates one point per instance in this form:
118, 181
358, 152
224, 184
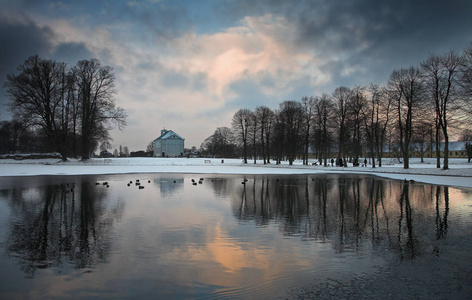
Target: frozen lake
233, 236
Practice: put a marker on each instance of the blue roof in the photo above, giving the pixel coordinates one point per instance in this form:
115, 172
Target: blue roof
170, 135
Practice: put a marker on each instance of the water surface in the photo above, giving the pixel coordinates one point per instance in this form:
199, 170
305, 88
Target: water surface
232, 236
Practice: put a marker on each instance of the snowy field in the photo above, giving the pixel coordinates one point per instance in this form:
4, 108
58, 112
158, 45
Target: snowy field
459, 174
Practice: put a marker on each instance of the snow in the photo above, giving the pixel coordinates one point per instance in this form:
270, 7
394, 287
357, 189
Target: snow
459, 174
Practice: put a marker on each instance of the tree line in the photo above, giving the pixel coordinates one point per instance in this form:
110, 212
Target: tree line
59, 108
417, 106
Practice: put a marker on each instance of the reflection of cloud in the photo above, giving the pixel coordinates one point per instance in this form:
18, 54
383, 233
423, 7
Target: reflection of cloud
219, 259
234, 256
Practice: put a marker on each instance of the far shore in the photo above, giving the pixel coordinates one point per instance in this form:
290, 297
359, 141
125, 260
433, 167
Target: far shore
458, 174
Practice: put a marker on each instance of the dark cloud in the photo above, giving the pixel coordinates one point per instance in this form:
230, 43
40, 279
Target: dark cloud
71, 53
343, 24
23, 39
375, 35
18, 42
155, 21
412, 25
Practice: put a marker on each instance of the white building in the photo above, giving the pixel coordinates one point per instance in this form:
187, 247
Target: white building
169, 144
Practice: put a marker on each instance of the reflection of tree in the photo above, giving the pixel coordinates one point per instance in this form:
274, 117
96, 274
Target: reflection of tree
221, 187
265, 208
349, 212
405, 216
60, 223
441, 222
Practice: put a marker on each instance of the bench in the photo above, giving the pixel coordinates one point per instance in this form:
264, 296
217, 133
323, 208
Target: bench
207, 161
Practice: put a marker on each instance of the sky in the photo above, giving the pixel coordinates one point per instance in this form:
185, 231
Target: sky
189, 65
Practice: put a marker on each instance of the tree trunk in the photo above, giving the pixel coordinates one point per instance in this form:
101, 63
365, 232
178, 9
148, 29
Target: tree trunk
446, 149
438, 148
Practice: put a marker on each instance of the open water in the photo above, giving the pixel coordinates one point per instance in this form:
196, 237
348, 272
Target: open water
234, 236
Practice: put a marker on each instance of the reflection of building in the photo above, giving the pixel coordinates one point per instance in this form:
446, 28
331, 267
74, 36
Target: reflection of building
169, 185
169, 144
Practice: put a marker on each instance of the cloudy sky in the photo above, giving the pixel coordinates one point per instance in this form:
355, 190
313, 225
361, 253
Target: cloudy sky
189, 65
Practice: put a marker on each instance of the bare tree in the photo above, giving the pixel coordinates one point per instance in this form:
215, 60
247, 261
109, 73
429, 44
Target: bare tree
466, 135
125, 151
465, 84
265, 116
441, 75
278, 137
240, 124
150, 148
468, 149
98, 111
341, 97
253, 130
356, 106
323, 110
104, 146
308, 107
383, 116
407, 88
420, 137
37, 97
370, 113
291, 115
220, 143
15, 137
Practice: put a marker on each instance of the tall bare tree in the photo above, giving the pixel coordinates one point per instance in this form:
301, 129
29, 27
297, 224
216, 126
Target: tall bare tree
357, 103
370, 113
37, 98
308, 108
240, 124
323, 110
441, 75
407, 88
254, 128
341, 97
98, 112
291, 116
465, 83
265, 116
220, 143
383, 116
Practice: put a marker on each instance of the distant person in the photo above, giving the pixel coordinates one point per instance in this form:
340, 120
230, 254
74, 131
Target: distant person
365, 162
332, 162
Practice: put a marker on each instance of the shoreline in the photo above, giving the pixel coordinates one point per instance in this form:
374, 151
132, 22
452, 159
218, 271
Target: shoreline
458, 175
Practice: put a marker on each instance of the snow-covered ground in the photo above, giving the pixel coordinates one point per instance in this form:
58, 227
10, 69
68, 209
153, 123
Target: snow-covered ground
459, 174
